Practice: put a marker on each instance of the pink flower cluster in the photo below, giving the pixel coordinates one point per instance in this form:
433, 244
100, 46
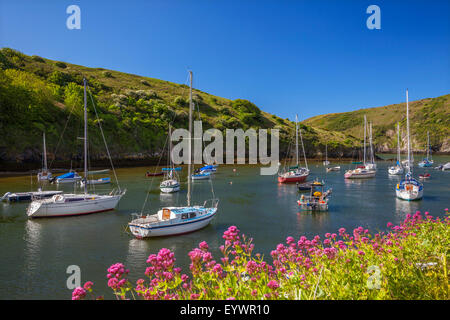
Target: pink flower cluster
116, 274
78, 293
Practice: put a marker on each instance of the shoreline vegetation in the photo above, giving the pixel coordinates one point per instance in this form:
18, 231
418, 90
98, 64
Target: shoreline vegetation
15, 168
409, 262
40, 95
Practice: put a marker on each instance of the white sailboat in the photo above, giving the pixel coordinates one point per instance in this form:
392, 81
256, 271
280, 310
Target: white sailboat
326, 163
76, 204
361, 172
398, 168
427, 162
170, 183
409, 188
176, 220
44, 174
295, 173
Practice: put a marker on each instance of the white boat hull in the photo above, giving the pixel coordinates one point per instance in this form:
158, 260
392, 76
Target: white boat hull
54, 208
44, 177
170, 189
141, 231
359, 175
409, 195
395, 171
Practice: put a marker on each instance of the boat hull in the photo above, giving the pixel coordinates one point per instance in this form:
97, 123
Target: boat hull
408, 195
394, 171
68, 180
365, 175
142, 231
201, 176
170, 189
53, 208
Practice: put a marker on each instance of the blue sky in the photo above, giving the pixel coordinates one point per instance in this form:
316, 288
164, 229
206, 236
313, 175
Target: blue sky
306, 57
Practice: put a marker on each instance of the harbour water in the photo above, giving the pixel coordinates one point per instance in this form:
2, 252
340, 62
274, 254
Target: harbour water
35, 253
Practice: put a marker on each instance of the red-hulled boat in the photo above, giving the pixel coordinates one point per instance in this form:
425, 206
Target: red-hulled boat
298, 175
295, 173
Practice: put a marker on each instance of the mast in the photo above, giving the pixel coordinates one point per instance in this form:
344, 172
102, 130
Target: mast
398, 143
296, 137
85, 138
170, 146
407, 133
190, 141
428, 144
364, 162
303, 147
372, 157
45, 156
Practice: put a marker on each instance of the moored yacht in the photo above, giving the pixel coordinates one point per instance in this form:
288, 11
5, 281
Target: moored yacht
76, 204
176, 220
409, 188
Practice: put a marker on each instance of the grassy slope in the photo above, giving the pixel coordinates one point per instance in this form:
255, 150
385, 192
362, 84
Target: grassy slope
431, 114
38, 94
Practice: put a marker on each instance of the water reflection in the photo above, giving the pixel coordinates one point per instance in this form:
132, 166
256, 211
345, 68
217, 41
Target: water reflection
32, 238
402, 207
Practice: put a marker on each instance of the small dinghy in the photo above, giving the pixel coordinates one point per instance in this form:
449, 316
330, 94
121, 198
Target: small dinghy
307, 185
424, 176
337, 168
97, 181
201, 176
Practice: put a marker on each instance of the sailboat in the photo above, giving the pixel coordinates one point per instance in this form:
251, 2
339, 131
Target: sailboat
170, 183
427, 162
76, 204
397, 169
176, 220
409, 188
326, 163
361, 171
44, 174
295, 173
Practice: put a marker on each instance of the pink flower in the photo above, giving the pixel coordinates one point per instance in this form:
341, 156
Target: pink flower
88, 285
78, 293
273, 284
203, 245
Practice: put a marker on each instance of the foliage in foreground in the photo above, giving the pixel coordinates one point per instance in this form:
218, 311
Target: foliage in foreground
408, 262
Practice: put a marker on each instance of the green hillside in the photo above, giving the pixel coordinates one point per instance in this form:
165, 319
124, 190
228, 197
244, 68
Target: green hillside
38, 94
431, 114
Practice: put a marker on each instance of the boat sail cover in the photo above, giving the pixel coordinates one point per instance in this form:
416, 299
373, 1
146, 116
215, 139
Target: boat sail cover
67, 175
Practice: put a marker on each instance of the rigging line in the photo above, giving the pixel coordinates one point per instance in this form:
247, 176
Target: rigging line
104, 140
151, 181
203, 144
60, 137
